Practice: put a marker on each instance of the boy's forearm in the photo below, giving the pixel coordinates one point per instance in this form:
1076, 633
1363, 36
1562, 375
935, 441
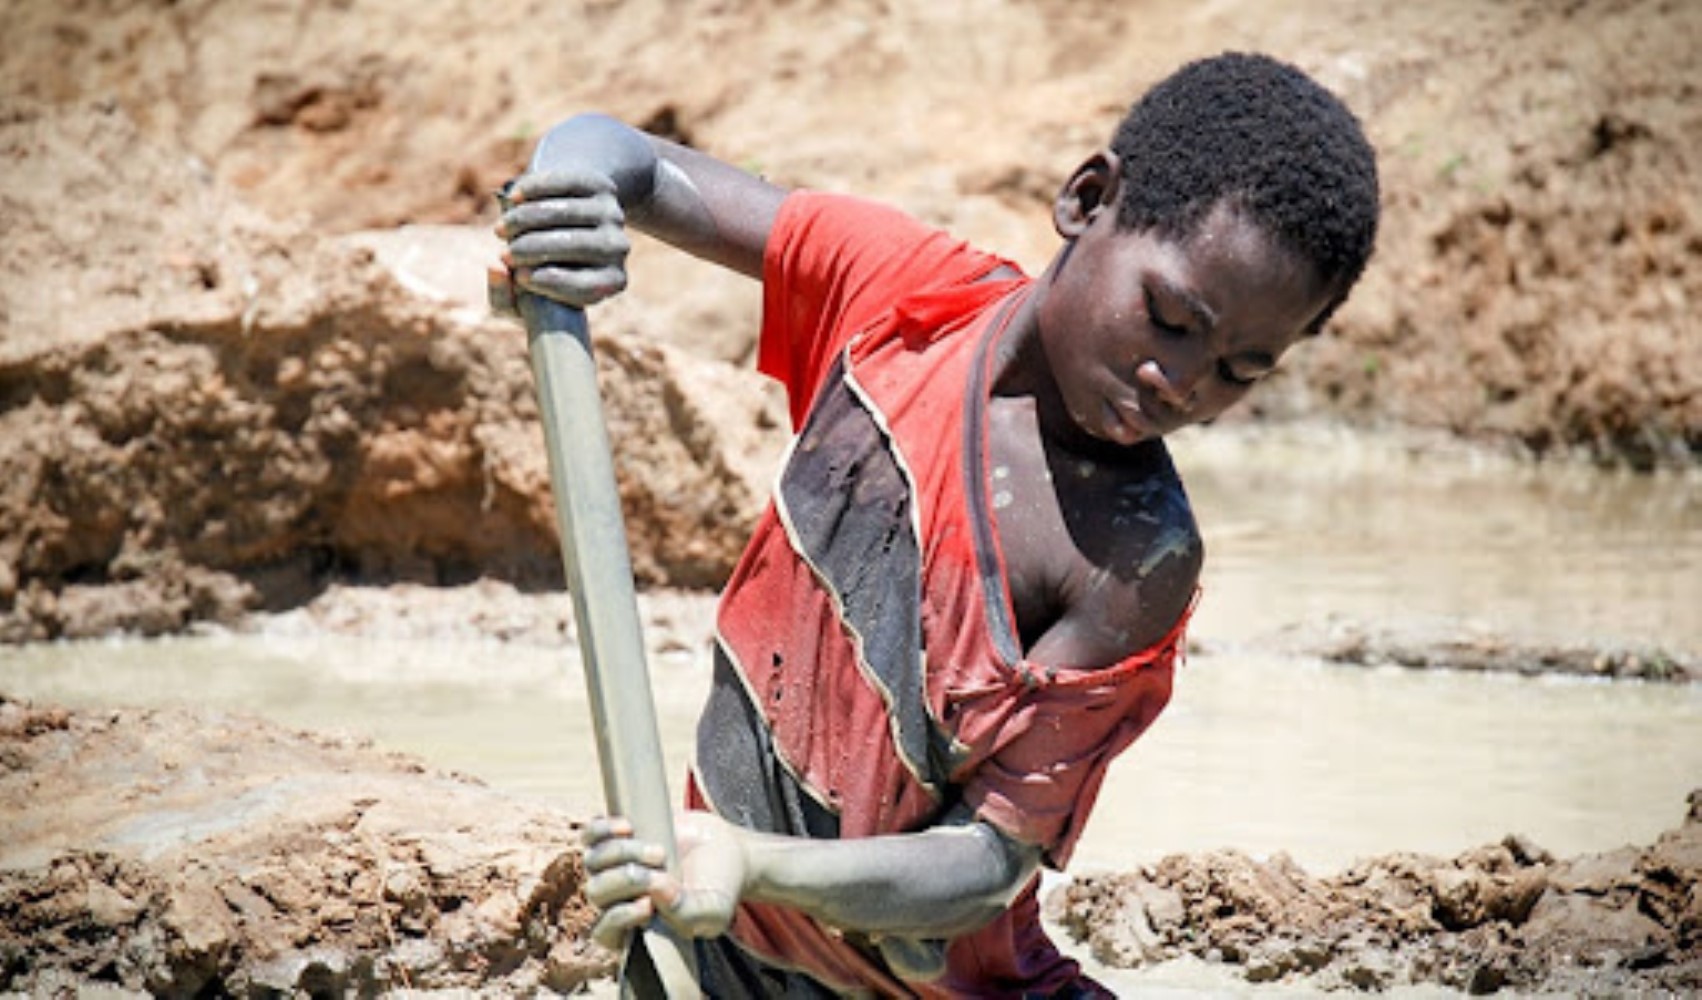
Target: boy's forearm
938, 883
678, 195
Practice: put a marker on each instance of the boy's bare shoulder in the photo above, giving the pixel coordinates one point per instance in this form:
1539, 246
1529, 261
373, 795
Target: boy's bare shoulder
1123, 565
1145, 539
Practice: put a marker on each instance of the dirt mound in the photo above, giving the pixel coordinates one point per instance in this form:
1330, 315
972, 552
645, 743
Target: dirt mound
198, 856
1537, 277
1504, 916
1459, 648
1535, 282
226, 412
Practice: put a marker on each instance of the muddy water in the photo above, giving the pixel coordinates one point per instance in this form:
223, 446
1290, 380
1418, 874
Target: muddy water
1305, 527
1260, 750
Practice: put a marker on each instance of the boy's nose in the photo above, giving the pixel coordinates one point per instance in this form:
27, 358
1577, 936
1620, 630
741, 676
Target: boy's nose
1175, 385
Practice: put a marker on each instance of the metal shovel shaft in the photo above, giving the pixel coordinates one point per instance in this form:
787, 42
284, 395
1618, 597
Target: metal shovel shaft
599, 576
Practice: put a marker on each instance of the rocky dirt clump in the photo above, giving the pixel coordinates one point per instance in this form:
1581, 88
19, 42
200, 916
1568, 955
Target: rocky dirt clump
1505, 916
225, 414
1461, 649
189, 855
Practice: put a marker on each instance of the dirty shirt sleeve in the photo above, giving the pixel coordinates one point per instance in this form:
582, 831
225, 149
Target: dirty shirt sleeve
833, 266
1053, 748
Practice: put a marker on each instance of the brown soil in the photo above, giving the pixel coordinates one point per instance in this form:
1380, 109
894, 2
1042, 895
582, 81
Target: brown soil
183, 854
1505, 916
226, 413
217, 856
1460, 649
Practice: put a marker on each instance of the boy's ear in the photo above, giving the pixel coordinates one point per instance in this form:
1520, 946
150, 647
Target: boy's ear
1089, 191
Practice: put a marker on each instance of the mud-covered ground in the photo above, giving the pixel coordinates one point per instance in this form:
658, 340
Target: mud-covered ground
216, 855
244, 369
186, 854
1506, 916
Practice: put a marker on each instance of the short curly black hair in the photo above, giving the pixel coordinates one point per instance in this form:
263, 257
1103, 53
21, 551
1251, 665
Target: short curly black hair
1270, 140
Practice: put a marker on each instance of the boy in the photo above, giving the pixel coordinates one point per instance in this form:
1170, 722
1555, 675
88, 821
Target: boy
970, 589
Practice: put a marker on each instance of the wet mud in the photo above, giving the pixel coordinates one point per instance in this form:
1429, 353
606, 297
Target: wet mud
1506, 916
180, 853
177, 854
1417, 649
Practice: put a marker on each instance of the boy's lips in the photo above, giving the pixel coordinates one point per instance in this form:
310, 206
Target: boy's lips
1127, 422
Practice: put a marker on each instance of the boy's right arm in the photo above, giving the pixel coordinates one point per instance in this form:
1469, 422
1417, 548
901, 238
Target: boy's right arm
906, 890
592, 175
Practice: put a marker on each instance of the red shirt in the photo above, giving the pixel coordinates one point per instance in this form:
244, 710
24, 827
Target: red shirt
869, 674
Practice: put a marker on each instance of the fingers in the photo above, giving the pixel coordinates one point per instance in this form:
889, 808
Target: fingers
624, 875
629, 881
617, 922
566, 236
619, 868
624, 883
612, 853
630, 892
575, 286
604, 246
604, 827
566, 182
525, 217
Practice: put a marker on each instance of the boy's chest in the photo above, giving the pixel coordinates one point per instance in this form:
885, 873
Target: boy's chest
1037, 502
1069, 525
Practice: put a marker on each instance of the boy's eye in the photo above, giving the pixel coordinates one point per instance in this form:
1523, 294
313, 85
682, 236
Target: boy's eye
1229, 375
1159, 322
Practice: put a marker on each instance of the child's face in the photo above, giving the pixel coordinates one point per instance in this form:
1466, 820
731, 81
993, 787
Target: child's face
1146, 334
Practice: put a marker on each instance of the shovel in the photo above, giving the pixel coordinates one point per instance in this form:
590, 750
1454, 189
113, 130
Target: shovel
659, 963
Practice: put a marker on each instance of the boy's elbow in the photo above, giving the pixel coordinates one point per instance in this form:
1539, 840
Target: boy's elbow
970, 876
1006, 867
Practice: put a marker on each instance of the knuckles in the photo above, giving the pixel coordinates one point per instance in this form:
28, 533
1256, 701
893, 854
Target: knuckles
567, 241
